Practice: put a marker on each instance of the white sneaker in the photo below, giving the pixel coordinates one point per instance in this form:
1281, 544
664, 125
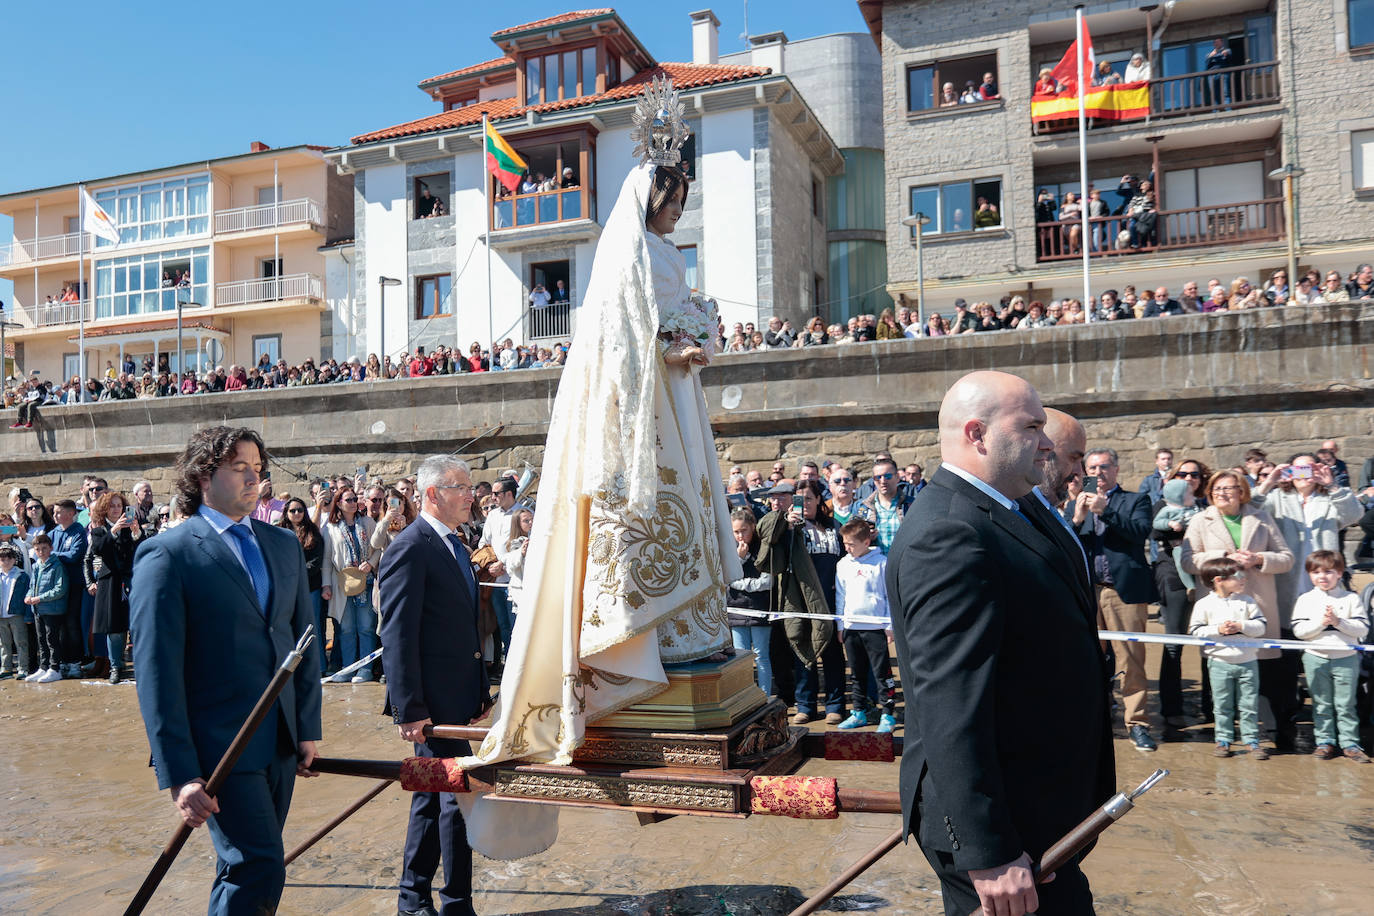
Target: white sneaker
49, 676
33, 678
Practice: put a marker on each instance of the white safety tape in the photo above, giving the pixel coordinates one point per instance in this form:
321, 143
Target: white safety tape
365, 660
1295, 645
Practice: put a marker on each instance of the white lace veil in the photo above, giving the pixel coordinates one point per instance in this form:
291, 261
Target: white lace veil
611, 366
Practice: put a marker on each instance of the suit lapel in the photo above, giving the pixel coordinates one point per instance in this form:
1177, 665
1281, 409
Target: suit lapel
1069, 544
214, 545
276, 569
451, 564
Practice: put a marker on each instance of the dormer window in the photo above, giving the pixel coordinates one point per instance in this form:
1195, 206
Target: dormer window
561, 75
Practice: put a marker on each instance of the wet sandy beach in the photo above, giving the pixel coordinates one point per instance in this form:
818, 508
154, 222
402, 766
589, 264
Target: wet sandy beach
82, 823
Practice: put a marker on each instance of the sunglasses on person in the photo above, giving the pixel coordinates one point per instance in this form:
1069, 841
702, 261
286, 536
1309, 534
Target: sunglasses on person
296, 510
888, 476
1196, 475
838, 480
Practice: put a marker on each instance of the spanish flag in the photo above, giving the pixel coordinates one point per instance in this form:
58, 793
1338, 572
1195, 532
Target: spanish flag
502, 161
1121, 102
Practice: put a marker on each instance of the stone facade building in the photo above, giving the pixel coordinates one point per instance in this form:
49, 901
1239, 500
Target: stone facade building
561, 94
1290, 95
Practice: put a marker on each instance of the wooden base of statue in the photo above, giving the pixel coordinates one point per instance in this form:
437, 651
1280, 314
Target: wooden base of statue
658, 773
702, 695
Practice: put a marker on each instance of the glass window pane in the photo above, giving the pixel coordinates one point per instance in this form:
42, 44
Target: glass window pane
426, 298
927, 201
150, 276
956, 207
198, 225
502, 216
689, 254
548, 208
572, 204
445, 295
150, 205
987, 204
550, 77
198, 198
1361, 23
920, 88
569, 74
532, 80
588, 71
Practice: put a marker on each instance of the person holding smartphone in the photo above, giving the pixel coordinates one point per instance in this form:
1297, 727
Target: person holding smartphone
108, 568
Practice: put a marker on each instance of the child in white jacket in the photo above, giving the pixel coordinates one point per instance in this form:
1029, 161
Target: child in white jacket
1330, 613
861, 591
1234, 670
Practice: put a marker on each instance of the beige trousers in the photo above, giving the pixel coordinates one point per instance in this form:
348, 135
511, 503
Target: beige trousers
1115, 614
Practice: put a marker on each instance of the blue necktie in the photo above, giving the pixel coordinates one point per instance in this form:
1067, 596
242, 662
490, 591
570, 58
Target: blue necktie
257, 569
464, 563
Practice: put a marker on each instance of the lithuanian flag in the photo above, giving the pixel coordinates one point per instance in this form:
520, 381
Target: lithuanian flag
1119, 102
502, 161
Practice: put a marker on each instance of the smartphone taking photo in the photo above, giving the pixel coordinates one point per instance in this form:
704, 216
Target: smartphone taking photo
1090, 484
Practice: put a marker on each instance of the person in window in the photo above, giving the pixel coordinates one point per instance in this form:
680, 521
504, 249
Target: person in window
988, 89
424, 204
1106, 76
183, 279
970, 95
1219, 85
1138, 70
167, 279
545, 184
1071, 215
1097, 208
986, 215
539, 297
438, 209
948, 97
1144, 229
559, 296
569, 180
1046, 84
528, 184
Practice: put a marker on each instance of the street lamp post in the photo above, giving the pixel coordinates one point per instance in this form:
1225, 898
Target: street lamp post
1287, 173
382, 284
181, 351
919, 221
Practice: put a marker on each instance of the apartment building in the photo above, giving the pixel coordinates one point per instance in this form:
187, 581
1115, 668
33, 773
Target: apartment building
232, 245
1285, 90
561, 91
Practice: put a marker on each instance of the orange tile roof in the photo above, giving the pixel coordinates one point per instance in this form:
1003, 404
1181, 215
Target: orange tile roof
560, 19
187, 324
495, 63
684, 76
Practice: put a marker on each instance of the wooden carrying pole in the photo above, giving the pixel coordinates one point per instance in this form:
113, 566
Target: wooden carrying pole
223, 768
345, 815
858, 868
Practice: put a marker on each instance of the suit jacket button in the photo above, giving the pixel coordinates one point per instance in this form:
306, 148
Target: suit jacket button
477, 655
955, 844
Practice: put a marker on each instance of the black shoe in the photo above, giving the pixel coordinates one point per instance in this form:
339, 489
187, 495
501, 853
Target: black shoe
1140, 737
114, 674
425, 910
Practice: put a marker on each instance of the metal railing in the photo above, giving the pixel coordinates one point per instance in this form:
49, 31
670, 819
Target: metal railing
270, 289
267, 216
23, 251
551, 322
1193, 94
1193, 227
46, 316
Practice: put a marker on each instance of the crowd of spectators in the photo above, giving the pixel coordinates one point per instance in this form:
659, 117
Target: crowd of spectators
66, 565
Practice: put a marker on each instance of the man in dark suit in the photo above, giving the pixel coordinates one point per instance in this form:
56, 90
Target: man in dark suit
1008, 740
435, 674
1113, 525
215, 605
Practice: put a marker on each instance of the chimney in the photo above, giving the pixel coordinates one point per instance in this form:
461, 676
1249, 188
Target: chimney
767, 50
257, 146
705, 37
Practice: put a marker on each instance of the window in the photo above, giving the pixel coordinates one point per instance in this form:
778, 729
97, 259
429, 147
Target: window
432, 196
689, 156
555, 186
433, 296
959, 206
265, 196
71, 365
158, 210
1360, 16
817, 200
924, 83
561, 75
268, 268
141, 284
553, 319
269, 344
1362, 159
689, 254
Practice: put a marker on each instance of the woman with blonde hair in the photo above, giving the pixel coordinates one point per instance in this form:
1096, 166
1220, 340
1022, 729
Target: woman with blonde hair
512, 553
813, 335
350, 563
109, 567
888, 328
1243, 295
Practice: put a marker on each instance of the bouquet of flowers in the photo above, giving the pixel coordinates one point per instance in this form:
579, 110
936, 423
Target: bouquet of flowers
691, 323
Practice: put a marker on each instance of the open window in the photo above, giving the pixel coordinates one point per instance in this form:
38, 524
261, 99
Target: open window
432, 196
550, 300
958, 206
965, 76
555, 186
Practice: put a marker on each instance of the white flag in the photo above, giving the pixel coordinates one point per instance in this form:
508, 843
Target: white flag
95, 220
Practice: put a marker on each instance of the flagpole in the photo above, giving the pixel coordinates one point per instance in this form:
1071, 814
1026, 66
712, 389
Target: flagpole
81, 289
1085, 239
486, 179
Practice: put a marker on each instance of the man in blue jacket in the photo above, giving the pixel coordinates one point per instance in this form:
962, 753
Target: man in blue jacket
1113, 525
69, 547
216, 604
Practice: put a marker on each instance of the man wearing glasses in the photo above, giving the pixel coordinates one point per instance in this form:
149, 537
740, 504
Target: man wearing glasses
887, 502
1113, 525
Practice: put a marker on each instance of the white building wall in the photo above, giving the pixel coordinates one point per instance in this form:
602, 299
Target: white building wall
384, 196
729, 243
347, 337
470, 209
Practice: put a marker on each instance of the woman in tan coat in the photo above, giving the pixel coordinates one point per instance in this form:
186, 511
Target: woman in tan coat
1231, 527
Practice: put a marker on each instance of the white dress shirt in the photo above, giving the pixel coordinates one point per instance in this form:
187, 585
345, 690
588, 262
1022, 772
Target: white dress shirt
442, 530
222, 523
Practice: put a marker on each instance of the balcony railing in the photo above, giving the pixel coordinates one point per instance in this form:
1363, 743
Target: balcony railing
24, 251
1196, 93
271, 289
532, 209
1194, 227
268, 216
549, 323
46, 316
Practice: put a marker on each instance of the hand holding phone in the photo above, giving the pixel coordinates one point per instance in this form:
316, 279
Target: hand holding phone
1090, 484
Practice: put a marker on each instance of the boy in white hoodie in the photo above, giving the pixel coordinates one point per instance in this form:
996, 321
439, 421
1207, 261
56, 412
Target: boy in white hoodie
1234, 671
1334, 615
861, 591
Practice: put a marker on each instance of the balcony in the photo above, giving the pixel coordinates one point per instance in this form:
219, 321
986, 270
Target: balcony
1196, 227
27, 251
299, 212
61, 313
271, 289
1192, 94
540, 208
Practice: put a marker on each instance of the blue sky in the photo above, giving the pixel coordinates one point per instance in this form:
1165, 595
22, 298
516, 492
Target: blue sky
99, 88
